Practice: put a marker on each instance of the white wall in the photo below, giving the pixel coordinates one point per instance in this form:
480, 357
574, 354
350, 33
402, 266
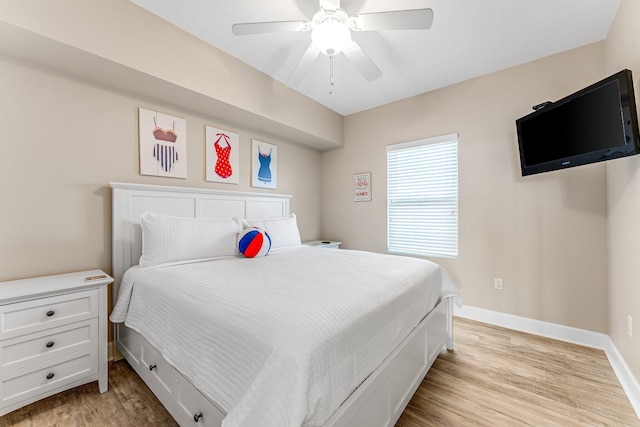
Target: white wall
544, 235
623, 201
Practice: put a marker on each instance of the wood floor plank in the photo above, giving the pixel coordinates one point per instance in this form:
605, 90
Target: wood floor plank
494, 377
128, 402
497, 376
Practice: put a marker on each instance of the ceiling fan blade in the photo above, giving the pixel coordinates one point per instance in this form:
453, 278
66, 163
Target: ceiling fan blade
330, 4
416, 19
267, 27
361, 61
300, 70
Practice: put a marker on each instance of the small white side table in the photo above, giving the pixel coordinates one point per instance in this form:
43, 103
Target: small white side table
323, 244
53, 336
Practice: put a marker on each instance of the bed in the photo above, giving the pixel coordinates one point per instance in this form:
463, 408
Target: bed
212, 337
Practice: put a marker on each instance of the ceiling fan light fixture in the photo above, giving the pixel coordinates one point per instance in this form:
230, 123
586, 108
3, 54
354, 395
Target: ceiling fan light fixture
329, 5
330, 37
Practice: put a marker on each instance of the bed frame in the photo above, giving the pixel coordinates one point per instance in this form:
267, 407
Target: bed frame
379, 400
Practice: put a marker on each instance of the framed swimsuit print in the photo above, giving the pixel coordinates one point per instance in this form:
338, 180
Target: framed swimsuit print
264, 165
163, 144
222, 149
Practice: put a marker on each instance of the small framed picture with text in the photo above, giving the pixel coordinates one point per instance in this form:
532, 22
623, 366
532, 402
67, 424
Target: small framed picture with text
362, 187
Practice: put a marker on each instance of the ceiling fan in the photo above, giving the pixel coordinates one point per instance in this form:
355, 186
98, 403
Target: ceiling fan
331, 27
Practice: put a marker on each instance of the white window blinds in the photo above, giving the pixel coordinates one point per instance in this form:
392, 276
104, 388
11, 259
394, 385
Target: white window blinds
422, 194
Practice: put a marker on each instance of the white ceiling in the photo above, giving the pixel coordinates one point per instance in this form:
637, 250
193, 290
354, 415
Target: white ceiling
469, 38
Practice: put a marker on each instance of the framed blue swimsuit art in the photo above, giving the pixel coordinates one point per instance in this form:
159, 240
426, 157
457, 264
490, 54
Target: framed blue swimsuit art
264, 164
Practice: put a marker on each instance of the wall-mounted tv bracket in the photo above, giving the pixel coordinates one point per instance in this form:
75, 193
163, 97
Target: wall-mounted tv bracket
542, 105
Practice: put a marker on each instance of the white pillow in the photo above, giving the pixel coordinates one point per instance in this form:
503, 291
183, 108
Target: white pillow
283, 231
170, 239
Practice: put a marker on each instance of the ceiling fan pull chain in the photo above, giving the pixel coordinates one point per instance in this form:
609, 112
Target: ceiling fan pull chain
331, 75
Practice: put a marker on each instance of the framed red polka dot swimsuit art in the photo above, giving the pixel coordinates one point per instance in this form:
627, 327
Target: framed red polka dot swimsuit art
223, 157
163, 144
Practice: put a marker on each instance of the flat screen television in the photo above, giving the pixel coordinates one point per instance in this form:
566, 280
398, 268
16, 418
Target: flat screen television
594, 124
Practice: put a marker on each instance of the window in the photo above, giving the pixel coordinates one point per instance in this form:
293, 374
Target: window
422, 194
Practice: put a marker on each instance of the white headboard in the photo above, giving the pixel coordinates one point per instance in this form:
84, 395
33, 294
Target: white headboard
132, 200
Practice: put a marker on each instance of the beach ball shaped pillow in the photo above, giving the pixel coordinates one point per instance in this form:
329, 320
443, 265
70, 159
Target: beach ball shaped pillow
254, 242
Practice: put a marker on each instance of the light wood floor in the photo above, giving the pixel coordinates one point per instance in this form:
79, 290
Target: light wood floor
495, 377
500, 377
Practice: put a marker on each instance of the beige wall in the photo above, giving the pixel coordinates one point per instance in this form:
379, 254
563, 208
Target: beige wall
72, 77
544, 235
623, 189
65, 139
119, 42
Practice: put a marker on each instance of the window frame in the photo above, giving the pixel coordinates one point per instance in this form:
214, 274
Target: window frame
436, 233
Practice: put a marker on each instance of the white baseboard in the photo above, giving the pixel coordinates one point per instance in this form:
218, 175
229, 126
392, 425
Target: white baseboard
564, 333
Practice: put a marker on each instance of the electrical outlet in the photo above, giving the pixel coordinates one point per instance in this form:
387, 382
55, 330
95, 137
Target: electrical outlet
497, 283
630, 326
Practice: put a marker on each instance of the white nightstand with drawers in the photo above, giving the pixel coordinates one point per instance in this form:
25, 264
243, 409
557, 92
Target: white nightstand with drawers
323, 244
53, 336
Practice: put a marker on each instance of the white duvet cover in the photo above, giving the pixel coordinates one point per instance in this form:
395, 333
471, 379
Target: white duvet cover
281, 340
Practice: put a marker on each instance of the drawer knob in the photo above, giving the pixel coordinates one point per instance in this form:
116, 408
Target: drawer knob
50, 375
197, 417
50, 344
50, 313
152, 367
